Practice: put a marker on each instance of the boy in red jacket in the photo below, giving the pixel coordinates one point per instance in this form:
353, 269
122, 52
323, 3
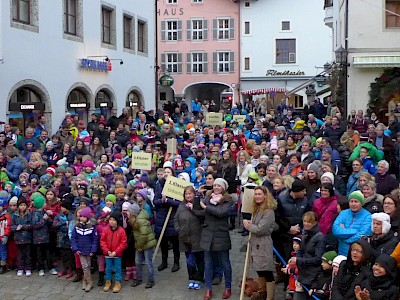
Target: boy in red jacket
113, 243
5, 231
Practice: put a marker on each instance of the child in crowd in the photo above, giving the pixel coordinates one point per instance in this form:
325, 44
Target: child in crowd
5, 231
113, 243
110, 202
82, 193
79, 272
97, 203
199, 179
11, 245
142, 200
293, 271
322, 287
128, 260
102, 223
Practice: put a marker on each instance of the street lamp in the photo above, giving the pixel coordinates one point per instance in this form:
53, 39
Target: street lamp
341, 56
341, 59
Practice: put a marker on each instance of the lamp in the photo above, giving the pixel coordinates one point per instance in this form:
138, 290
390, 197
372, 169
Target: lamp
327, 67
341, 56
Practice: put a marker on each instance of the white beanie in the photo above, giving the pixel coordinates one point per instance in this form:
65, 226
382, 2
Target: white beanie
330, 176
338, 259
385, 219
222, 182
167, 164
184, 176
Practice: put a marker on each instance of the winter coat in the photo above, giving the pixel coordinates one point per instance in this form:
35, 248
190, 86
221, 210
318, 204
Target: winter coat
261, 252
309, 260
24, 235
40, 227
189, 228
374, 203
323, 285
55, 208
352, 183
143, 233
161, 214
70, 157
385, 183
103, 136
215, 235
312, 186
84, 239
334, 135
326, 210
382, 288
113, 240
5, 224
14, 168
245, 174
122, 137
355, 225
383, 244
50, 157
61, 223
228, 171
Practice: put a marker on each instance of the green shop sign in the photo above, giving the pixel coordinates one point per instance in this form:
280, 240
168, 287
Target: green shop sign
166, 80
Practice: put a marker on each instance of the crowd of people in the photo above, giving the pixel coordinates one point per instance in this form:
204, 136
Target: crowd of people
315, 194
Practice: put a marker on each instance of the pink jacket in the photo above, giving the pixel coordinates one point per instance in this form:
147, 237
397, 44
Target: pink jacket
326, 210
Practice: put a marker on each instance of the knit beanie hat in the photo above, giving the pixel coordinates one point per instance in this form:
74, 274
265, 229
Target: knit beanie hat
134, 209
184, 176
385, 219
120, 190
144, 178
13, 200
314, 167
109, 166
388, 263
88, 163
84, 200
117, 215
50, 143
222, 182
298, 186
22, 200
67, 204
112, 198
297, 239
86, 212
60, 169
330, 176
45, 180
358, 196
125, 205
3, 202
329, 256
38, 202
96, 192
338, 259
42, 190
51, 170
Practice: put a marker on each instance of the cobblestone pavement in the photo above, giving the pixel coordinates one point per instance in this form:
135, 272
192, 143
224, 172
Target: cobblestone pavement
168, 285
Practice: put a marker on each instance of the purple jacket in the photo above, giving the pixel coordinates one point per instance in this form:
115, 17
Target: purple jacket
84, 239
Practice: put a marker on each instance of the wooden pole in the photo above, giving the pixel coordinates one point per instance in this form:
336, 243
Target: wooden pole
162, 232
246, 263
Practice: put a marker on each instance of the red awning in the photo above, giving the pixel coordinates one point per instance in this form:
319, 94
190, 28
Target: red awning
263, 91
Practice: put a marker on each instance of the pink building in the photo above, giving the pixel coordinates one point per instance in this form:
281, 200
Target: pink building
198, 45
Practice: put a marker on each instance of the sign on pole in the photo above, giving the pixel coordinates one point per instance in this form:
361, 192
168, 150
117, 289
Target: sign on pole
214, 119
141, 160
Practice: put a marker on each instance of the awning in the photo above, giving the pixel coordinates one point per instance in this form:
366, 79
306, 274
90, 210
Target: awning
263, 91
376, 61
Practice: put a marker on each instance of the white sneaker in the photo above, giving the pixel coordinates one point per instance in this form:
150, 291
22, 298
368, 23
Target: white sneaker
20, 273
41, 273
28, 273
53, 271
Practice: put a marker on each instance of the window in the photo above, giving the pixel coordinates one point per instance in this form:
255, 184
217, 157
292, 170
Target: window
285, 25
223, 62
197, 30
127, 25
247, 4
286, 51
197, 62
197, 1
172, 62
106, 25
298, 101
392, 8
24, 14
247, 63
246, 27
223, 29
172, 1
171, 30
142, 36
70, 14
21, 11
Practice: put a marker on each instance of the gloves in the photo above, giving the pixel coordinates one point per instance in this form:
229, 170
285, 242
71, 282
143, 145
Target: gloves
4, 240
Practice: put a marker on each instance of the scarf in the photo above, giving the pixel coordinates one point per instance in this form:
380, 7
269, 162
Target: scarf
215, 199
242, 165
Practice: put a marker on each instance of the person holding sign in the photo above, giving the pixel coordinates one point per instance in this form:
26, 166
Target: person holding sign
215, 238
162, 205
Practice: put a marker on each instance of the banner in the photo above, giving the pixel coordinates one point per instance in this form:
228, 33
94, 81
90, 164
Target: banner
239, 118
174, 187
141, 160
214, 119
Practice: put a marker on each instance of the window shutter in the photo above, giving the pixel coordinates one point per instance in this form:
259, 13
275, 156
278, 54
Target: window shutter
189, 30
179, 30
205, 62
163, 30
231, 28
215, 29
215, 62
163, 58
205, 29
232, 62
189, 62
179, 62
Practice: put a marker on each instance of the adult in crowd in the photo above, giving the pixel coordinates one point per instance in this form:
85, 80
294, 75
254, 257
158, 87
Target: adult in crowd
312, 179
29, 132
352, 182
15, 165
325, 207
391, 207
272, 174
244, 166
384, 181
373, 201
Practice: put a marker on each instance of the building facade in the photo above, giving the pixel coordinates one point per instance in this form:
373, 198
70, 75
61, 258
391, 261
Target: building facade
198, 46
284, 45
74, 56
371, 49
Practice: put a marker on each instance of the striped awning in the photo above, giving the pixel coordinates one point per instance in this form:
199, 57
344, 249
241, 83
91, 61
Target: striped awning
263, 91
376, 61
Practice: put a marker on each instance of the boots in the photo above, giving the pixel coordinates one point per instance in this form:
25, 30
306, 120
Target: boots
88, 279
107, 287
117, 287
78, 276
227, 294
84, 283
176, 266
208, 295
270, 290
232, 220
101, 279
164, 263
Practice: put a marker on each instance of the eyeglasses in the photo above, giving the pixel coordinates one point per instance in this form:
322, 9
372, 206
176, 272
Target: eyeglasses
388, 203
356, 251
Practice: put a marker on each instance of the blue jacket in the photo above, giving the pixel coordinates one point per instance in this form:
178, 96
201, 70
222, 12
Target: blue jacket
352, 184
84, 239
61, 224
369, 165
14, 169
196, 106
23, 236
192, 169
40, 227
355, 225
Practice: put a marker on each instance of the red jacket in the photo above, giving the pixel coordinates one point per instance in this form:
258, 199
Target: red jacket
55, 208
113, 241
5, 224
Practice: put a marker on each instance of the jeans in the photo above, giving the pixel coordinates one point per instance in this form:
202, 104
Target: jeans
24, 256
195, 265
114, 264
3, 252
223, 259
145, 255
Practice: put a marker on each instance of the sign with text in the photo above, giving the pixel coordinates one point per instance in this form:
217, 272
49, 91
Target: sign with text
214, 119
247, 200
174, 187
239, 118
141, 160
171, 146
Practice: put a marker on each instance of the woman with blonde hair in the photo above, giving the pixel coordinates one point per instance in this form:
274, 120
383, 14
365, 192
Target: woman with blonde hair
261, 227
36, 164
244, 166
364, 178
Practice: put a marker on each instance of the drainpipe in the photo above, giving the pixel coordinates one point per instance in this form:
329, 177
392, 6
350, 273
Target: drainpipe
156, 66
346, 47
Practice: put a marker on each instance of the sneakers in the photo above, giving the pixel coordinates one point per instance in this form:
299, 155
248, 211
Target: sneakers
41, 273
27, 273
190, 285
53, 271
20, 273
196, 286
69, 275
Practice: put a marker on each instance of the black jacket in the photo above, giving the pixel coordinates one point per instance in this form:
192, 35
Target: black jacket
103, 136
323, 285
385, 244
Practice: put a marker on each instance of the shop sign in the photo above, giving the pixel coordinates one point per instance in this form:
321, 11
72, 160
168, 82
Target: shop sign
26, 106
284, 73
166, 80
170, 12
78, 105
94, 65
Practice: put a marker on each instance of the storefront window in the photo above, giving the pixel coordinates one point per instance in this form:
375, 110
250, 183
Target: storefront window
78, 104
133, 102
103, 103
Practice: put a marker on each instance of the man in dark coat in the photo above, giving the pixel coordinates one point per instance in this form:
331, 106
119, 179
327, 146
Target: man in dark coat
102, 133
123, 135
385, 183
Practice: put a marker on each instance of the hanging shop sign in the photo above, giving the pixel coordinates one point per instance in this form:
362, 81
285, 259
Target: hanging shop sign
26, 106
284, 73
166, 80
95, 65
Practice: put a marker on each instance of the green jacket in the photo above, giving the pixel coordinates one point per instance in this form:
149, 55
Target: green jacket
375, 154
143, 233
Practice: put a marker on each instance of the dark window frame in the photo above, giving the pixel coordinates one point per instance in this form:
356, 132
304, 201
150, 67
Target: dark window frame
104, 26
127, 29
285, 50
68, 14
17, 18
141, 47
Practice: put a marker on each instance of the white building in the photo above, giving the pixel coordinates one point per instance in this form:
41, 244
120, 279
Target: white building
370, 32
55, 58
283, 45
